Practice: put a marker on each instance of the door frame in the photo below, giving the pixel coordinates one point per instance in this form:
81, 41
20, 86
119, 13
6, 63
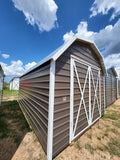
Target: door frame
90, 66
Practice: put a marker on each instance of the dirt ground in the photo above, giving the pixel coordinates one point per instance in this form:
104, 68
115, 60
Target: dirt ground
101, 141
97, 143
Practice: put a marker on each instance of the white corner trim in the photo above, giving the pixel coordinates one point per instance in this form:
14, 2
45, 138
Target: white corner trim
51, 111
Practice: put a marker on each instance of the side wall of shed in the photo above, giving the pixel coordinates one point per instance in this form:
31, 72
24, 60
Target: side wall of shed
118, 87
62, 92
1, 87
15, 85
34, 100
111, 89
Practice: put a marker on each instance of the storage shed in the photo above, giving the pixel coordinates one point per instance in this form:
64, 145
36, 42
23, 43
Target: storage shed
118, 87
14, 83
111, 86
2, 75
64, 94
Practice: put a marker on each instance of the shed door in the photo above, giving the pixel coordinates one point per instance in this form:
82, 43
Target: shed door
85, 101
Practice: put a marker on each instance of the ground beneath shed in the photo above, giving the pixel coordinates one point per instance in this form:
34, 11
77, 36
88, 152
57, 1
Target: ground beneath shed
101, 141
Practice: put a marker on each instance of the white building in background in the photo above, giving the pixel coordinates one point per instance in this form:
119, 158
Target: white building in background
2, 75
14, 83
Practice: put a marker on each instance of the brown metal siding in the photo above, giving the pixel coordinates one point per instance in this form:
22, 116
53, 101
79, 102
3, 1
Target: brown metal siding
34, 100
109, 93
62, 92
118, 87
102, 95
1, 87
111, 89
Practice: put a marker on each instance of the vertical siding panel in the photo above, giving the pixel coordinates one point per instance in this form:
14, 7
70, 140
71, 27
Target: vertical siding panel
111, 87
1, 87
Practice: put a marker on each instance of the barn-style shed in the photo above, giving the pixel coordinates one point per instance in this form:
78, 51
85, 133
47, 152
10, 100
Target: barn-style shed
111, 86
14, 83
64, 94
118, 87
2, 75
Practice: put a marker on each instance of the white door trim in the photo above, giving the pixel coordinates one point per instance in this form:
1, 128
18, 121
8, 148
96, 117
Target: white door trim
90, 77
82, 99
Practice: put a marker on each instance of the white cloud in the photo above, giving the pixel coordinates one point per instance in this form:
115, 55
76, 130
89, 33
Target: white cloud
39, 12
104, 6
5, 56
68, 36
81, 31
113, 60
16, 67
29, 65
107, 38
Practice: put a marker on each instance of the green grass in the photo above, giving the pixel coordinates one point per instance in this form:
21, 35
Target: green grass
89, 135
8, 93
115, 131
10, 111
106, 134
113, 115
99, 138
117, 124
90, 148
115, 106
11, 105
101, 147
78, 146
113, 147
4, 129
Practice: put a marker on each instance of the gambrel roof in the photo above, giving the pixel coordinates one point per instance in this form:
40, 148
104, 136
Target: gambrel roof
1, 70
113, 70
13, 79
57, 53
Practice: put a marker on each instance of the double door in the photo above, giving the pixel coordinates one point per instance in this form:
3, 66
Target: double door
85, 96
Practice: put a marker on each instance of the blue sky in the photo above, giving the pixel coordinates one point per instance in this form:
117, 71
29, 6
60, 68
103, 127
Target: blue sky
32, 29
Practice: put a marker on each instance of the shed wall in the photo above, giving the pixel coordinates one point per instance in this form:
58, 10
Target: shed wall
16, 84
1, 87
118, 87
62, 92
34, 100
111, 89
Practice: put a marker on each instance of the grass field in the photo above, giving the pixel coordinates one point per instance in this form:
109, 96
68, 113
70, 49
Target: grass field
17, 141
13, 125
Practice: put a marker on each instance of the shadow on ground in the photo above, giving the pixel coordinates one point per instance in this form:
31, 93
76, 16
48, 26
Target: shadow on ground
13, 127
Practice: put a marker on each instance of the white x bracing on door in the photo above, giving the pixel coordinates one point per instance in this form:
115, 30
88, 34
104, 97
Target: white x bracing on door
85, 96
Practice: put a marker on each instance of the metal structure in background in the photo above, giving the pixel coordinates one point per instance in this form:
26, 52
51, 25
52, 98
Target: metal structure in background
2, 75
118, 87
14, 83
111, 86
